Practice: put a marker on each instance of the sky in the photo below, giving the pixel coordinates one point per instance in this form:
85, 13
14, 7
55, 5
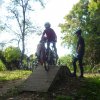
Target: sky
54, 12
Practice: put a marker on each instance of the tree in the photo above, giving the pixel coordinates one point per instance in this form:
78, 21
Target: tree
19, 13
12, 57
84, 15
1, 26
2, 44
2, 66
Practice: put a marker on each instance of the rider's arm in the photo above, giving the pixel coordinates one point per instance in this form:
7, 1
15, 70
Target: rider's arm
55, 37
43, 34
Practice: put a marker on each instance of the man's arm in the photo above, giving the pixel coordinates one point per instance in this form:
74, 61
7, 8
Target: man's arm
79, 48
80, 45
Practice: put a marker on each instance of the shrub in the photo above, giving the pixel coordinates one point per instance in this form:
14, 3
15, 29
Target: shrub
2, 66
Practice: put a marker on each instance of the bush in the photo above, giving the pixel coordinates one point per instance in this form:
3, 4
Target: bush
2, 66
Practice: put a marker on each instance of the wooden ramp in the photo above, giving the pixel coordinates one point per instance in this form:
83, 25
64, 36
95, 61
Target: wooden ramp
41, 80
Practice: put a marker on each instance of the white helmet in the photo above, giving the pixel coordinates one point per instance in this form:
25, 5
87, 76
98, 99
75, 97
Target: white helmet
47, 25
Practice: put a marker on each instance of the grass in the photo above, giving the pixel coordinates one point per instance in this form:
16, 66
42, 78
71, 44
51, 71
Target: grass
13, 75
91, 88
88, 89
64, 98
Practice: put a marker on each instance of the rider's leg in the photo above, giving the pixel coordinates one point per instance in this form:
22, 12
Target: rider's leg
48, 46
54, 45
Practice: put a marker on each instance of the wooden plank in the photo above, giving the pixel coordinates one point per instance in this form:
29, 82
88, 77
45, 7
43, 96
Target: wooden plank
40, 80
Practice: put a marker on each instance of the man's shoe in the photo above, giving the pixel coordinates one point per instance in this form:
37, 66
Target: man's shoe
73, 75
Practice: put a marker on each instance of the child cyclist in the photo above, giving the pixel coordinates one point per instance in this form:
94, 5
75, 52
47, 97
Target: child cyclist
51, 36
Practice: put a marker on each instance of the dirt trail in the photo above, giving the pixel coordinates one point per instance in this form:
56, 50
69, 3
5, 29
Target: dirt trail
5, 86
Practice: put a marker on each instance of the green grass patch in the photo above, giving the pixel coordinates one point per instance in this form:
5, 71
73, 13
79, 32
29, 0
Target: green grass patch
64, 98
91, 88
88, 88
12, 75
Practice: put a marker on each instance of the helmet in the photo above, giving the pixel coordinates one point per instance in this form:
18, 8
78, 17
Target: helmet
47, 25
79, 31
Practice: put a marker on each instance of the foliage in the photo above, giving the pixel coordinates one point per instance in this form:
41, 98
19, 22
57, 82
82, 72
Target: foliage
28, 61
93, 39
25, 65
12, 57
2, 66
66, 60
12, 54
32, 58
19, 13
1, 26
2, 56
84, 15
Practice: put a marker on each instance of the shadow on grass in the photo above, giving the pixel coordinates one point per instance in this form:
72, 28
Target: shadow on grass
90, 90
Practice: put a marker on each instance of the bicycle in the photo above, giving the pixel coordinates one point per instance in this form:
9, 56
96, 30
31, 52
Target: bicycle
47, 57
51, 57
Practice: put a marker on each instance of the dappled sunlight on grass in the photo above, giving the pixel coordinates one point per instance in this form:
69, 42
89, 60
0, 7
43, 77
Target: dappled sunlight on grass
11, 75
92, 75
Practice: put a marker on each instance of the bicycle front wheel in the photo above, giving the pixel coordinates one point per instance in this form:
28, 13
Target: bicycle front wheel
46, 66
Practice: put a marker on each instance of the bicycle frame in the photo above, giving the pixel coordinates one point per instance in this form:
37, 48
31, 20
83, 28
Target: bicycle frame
47, 58
51, 56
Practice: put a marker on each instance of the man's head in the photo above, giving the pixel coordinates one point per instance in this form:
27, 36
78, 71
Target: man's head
78, 32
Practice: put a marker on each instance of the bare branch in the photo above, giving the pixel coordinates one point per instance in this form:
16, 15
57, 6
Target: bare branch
42, 3
17, 18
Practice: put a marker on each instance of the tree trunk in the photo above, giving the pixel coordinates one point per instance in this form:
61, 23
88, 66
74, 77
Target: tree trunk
23, 38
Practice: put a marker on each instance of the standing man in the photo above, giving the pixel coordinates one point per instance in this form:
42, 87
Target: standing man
80, 53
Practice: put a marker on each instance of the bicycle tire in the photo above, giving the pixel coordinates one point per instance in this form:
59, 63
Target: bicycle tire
46, 66
47, 62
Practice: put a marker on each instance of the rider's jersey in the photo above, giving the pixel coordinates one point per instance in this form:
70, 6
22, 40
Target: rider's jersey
51, 35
